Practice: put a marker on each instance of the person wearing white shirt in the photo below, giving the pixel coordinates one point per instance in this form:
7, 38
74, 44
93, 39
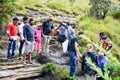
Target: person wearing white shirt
20, 30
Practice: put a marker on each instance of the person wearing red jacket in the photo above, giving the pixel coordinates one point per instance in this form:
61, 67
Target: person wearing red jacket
12, 37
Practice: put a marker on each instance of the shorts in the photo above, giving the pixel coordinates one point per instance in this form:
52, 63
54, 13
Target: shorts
29, 47
61, 38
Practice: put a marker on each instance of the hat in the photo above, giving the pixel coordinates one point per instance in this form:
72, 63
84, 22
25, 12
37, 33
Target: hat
25, 18
50, 17
30, 20
15, 19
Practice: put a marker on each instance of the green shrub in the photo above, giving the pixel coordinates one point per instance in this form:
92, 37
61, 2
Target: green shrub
58, 72
115, 14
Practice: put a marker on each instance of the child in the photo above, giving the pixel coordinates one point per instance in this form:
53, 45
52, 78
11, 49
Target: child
38, 38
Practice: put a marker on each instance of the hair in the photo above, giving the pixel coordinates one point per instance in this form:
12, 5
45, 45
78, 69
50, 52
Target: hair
91, 46
30, 20
25, 18
15, 19
101, 33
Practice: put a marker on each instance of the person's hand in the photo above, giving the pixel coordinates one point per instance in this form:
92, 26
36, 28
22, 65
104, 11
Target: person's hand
26, 42
78, 56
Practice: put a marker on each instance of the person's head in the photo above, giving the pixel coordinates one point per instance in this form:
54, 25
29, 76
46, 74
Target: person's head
25, 19
15, 20
102, 34
39, 26
31, 21
50, 18
100, 54
89, 47
73, 25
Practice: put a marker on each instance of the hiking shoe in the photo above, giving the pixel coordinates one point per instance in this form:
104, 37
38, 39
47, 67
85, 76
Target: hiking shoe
24, 63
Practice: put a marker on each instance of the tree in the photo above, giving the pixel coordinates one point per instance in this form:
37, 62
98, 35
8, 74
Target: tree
100, 8
7, 8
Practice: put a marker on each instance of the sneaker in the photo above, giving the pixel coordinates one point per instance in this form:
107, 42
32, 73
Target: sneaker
24, 63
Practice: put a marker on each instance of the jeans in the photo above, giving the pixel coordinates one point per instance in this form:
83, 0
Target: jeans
11, 48
21, 47
72, 62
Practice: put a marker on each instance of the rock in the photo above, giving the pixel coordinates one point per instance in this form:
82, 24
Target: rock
44, 58
58, 58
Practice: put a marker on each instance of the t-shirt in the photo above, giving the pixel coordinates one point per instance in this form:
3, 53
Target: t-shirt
28, 32
47, 27
71, 32
71, 44
11, 30
20, 29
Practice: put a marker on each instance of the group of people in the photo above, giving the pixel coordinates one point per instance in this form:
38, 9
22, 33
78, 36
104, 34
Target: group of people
37, 38
30, 37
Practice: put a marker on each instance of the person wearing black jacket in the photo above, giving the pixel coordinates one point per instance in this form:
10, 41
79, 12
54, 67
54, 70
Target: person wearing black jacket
47, 29
90, 74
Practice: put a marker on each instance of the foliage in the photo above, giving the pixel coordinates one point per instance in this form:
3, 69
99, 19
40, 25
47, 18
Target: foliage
100, 8
115, 66
115, 14
92, 27
58, 72
7, 8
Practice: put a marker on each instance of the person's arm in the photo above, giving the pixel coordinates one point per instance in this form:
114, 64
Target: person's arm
8, 31
78, 55
25, 34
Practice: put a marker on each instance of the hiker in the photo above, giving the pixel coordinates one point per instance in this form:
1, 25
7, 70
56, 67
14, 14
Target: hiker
38, 35
102, 60
47, 29
62, 29
71, 31
28, 33
73, 53
20, 30
104, 41
12, 38
90, 74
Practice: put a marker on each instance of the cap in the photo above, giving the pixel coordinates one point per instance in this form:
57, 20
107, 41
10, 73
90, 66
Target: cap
25, 18
15, 19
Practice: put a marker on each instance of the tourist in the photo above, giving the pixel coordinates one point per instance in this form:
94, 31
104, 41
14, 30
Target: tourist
12, 38
28, 33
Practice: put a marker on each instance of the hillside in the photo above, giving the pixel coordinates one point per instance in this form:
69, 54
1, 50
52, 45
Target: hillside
73, 11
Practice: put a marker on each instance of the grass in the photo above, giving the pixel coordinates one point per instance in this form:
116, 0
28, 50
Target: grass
92, 27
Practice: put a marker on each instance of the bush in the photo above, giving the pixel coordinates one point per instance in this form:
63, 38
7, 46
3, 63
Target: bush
115, 14
57, 72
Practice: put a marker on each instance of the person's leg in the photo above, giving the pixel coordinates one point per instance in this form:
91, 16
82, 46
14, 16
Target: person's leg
24, 58
31, 46
13, 48
43, 44
21, 47
9, 49
47, 43
72, 63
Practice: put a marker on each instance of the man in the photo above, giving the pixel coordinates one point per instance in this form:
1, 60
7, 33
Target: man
71, 31
47, 29
20, 29
73, 53
28, 33
90, 74
104, 42
12, 36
